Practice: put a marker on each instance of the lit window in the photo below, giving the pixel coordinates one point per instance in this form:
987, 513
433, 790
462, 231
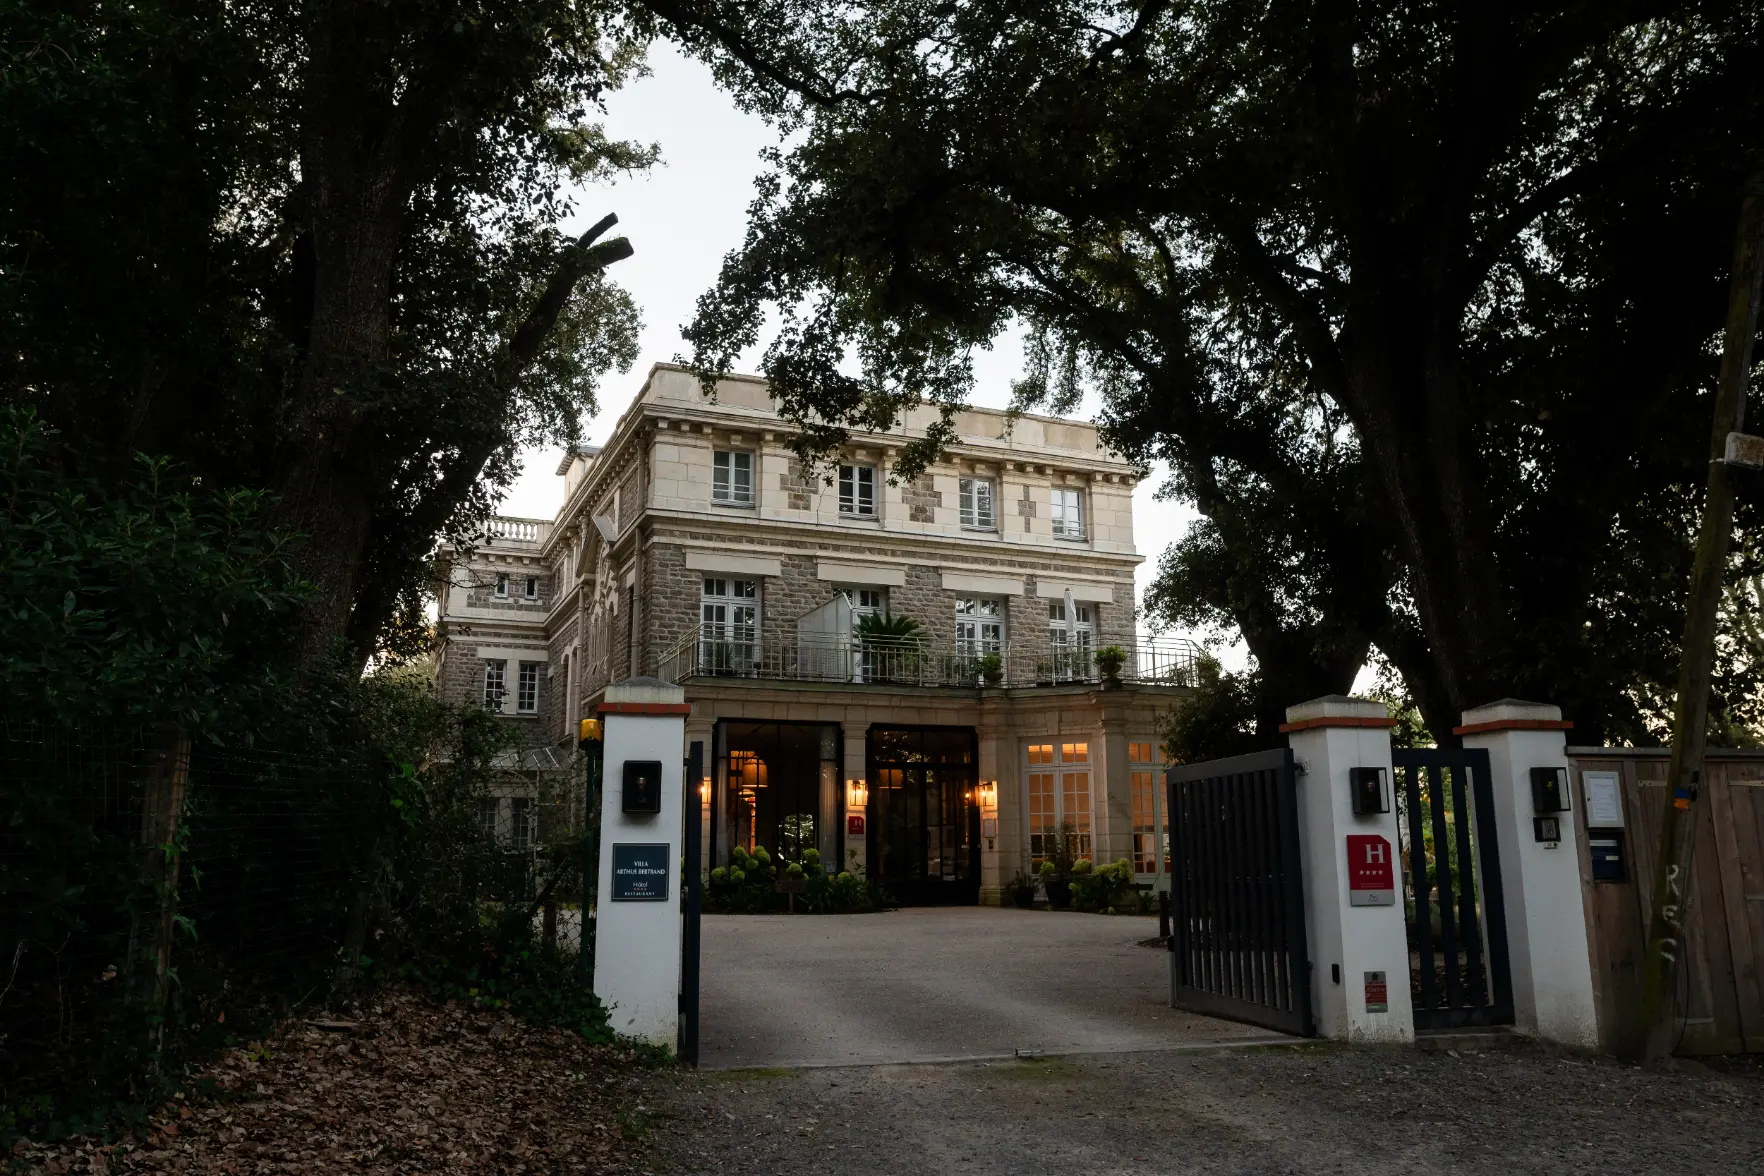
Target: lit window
527, 689
976, 503
857, 490
1144, 753
532, 590
502, 585
1059, 800
732, 478
494, 672
1068, 514
1145, 820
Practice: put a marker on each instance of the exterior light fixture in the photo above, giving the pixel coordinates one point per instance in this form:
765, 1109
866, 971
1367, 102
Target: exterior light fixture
704, 791
857, 793
986, 794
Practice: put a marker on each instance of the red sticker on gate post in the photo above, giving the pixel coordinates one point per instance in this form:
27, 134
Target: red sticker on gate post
1371, 873
1377, 993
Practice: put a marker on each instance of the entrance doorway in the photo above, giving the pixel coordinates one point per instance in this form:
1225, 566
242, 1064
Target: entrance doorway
924, 829
777, 785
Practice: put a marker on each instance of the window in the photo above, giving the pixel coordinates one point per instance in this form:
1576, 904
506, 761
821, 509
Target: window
979, 628
1059, 800
520, 824
976, 503
488, 817
1147, 802
1070, 640
857, 490
493, 688
1068, 514
728, 630
502, 585
532, 590
732, 478
867, 602
527, 689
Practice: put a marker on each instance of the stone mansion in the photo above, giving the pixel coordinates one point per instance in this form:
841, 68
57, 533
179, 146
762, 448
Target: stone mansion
904, 676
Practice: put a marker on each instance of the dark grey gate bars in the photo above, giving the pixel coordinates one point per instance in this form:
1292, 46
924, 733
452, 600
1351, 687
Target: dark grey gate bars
1456, 914
1237, 936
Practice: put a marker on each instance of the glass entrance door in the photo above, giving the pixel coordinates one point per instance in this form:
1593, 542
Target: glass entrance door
924, 824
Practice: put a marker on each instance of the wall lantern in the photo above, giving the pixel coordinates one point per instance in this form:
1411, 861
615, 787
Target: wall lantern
857, 793
1366, 787
986, 794
1549, 790
704, 791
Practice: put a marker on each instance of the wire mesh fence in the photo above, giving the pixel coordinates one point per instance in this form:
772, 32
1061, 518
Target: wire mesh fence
161, 898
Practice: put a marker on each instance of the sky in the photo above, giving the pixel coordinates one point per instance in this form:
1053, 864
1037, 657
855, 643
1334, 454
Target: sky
682, 217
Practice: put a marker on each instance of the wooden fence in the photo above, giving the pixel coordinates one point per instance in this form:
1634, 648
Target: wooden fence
1721, 1004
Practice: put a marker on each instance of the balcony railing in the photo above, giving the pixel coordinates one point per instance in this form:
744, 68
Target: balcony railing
501, 529
736, 652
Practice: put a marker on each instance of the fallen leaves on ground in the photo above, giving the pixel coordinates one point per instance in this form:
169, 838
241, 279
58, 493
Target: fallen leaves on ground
409, 1086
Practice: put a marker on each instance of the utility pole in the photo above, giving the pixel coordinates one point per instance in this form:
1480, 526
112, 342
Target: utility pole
1728, 447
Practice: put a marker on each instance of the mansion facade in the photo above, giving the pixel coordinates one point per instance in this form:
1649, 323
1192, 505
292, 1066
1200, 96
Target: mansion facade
927, 679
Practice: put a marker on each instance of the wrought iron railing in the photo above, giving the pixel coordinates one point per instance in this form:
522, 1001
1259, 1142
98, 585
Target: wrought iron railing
714, 651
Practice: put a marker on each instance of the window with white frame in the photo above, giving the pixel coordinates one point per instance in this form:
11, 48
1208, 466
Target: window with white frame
495, 674
489, 817
502, 585
531, 591
867, 602
728, 630
1068, 514
857, 491
732, 477
1070, 638
975, 500
1058, 776
979, 627
521, 830
1151, 841
527, 689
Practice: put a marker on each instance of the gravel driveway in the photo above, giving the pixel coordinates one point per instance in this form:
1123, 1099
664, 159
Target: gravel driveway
928, 984
1309, 1108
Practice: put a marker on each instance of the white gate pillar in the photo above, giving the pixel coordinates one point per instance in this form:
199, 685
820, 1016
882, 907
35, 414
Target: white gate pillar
642, 813
1354, 922
1540, 869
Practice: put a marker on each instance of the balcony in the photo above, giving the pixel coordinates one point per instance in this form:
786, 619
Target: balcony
503, 532
720, 651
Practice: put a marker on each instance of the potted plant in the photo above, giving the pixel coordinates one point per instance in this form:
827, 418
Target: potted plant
992, 669
1044, 671
1109, 660
1059, 890
1021, 888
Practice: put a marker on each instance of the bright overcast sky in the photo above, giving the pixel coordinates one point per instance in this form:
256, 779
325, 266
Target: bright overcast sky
683, 217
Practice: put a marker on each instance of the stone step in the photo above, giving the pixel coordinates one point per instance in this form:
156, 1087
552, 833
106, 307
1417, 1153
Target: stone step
1480, 1039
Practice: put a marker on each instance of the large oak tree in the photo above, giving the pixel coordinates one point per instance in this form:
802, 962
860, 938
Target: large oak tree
1414, 297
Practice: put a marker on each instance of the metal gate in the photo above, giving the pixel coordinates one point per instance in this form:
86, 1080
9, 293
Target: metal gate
1457, 922
1237, 933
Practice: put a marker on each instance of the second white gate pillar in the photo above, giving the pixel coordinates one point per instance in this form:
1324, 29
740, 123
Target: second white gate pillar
1540, 868
1354, 921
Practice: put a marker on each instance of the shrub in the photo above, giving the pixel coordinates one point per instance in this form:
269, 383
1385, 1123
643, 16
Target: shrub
1100, 889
